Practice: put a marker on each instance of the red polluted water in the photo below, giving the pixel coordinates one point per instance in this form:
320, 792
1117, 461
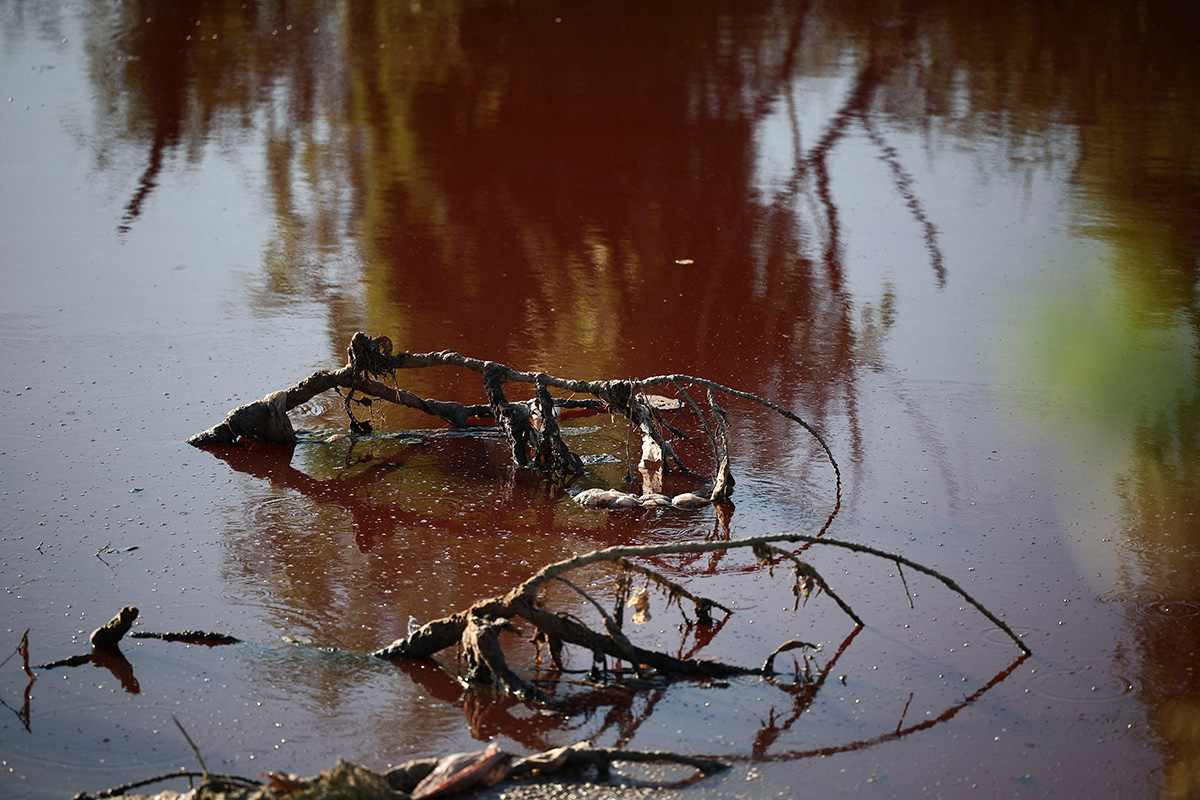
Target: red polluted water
958, 242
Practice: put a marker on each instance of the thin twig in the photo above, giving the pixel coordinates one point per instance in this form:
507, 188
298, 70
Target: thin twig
675, 378
712, 439
191, 637
22, 648
803, 568
123, 789
768, 668
195, 750
670, 585
900, 569
552, 571
609, 623
904, 713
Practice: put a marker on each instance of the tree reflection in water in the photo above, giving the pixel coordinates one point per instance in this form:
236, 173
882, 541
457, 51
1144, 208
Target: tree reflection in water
582, 185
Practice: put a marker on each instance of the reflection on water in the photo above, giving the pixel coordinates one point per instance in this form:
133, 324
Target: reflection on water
1117, 353
875, 214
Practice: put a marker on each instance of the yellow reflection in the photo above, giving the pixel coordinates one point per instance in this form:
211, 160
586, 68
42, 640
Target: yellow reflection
1182, 777
1101, 358
1108, 350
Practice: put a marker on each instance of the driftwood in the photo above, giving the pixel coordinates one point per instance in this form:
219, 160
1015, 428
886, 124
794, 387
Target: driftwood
530, 426
418, 779
475, 769
108, 634
476, 630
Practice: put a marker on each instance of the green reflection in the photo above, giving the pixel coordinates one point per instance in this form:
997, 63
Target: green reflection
1095, 350
570, 185
1111, 345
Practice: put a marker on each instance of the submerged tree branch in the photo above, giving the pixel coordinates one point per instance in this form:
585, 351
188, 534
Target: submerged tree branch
477, 632
525, 601
530, 426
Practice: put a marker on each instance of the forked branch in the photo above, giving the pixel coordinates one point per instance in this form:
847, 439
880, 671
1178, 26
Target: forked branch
530, 426
527, 601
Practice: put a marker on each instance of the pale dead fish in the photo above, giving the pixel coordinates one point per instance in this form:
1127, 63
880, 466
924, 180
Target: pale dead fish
689, 500
606, 498
548, 761
592, 497
623, 500
463, 771
653, 499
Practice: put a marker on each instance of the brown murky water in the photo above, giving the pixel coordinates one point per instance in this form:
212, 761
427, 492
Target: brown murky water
959, 239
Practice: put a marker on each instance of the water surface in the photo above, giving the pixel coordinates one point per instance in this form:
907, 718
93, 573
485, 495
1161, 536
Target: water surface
959, 241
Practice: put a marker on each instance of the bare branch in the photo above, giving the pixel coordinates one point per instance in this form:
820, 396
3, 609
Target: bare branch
703, 605
632, 551
529, 426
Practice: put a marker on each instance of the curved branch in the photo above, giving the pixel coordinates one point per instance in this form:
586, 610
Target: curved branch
703, 605
551, 571
529, 426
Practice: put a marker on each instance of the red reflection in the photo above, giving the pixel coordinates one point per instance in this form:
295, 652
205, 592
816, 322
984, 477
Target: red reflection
113, 660
273, 463
901, 730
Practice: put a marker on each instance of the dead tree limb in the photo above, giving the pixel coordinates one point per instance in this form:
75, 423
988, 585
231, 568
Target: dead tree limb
477, 629
526, 602
110, 633
609, 553
530, 426
485, 660
266, 420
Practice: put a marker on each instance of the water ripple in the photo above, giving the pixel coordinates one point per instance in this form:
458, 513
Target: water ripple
1131, 597
1172, 609
1078, 686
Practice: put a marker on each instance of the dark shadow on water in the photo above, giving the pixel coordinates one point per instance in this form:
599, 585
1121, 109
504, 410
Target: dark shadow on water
619, 710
